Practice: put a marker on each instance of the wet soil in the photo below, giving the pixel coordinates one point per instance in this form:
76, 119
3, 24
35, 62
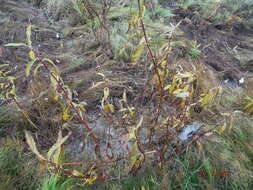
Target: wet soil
228, 51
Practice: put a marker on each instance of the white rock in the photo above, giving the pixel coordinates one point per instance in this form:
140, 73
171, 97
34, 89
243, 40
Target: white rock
241, 81
188, 131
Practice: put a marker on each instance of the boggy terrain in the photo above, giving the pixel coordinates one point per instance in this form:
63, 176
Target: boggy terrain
172, 111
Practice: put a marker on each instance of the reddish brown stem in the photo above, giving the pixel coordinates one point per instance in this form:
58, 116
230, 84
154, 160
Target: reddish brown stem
180, 151
83, 120
153, 58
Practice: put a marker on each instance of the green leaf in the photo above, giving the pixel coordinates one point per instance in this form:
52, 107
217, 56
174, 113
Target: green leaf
4, 65
29, 66
15, 44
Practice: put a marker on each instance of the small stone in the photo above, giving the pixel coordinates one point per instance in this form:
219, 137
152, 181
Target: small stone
189, 131
58, 36
241, 81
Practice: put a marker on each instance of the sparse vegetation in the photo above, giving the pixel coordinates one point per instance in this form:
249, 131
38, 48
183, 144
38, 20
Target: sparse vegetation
143, 95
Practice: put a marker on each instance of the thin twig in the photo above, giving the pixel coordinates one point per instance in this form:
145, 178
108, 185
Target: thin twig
153, 58
80, 117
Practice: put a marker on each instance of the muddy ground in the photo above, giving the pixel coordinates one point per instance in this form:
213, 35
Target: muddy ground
225, 50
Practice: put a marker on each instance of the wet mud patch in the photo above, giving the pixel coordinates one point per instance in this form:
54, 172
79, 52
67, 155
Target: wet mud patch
223, 48
76, 53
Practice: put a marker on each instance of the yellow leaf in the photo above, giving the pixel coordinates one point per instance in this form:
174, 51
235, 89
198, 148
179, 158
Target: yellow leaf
131, 110
66, 114
230, 122
28, 35
133, 20
208, 134
137, 54
36, 69
221, 129
32, 55
163, 64
135, 159
133, 154
28, 67
15, 44
32, 145
55, 148
81, 107
171, 87
167, 87
56, 70
209, 97
93, 177
143, 8
161, 72
106, 92
248, 107
55, 98
109, 108
53, 79
97, 85
181, 93
140, 123
123, 110
124, 97
77, 173
57, 157
133, 130
199, 147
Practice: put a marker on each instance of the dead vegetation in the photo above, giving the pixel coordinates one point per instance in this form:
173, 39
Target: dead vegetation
140, 90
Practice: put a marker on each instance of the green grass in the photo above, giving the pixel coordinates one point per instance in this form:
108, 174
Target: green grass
18, 171
220, 11
129, 183
230, 151
54, 183
8, 114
